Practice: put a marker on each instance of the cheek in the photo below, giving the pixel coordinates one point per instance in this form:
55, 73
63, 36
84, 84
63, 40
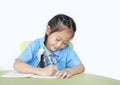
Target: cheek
52, 41
62, 47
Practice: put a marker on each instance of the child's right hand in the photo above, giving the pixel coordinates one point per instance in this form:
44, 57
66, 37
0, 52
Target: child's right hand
49, 70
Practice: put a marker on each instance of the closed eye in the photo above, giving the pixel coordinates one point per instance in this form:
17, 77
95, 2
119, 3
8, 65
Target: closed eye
58, 39
65, 43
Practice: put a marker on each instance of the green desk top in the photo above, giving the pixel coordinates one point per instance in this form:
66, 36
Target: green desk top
80, 79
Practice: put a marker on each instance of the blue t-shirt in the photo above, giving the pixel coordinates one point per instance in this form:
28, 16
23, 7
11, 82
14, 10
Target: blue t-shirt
62, 58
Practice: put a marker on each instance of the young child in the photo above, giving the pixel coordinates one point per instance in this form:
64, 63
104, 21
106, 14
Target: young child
51, 55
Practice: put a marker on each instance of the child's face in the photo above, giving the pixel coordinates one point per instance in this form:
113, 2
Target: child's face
59, 39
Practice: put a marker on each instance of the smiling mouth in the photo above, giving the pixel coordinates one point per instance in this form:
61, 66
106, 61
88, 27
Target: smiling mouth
56, 48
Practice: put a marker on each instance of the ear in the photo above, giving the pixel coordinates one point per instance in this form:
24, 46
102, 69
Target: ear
48, 30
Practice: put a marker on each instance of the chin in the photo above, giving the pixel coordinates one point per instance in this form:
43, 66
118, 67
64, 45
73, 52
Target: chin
52, 49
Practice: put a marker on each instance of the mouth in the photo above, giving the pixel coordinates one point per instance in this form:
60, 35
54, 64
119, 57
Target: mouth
55, 48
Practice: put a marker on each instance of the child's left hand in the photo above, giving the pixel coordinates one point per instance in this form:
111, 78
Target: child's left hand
63, 74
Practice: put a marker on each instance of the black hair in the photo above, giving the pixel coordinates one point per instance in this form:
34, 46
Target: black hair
64, 19
55, 24
59, 19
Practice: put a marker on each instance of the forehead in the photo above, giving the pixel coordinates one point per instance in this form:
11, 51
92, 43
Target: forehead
65, 34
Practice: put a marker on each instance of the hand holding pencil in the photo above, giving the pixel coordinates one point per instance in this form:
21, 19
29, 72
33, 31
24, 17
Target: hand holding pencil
48, 70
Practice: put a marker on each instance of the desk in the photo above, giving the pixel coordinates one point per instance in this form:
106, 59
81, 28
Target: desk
81, 79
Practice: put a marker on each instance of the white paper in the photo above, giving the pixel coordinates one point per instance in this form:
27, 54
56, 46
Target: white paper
18, 74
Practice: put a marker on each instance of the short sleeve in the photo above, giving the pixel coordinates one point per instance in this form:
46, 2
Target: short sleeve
72, 58
29, 52
26, 55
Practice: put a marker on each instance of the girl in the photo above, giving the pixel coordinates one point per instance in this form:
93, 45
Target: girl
51, 55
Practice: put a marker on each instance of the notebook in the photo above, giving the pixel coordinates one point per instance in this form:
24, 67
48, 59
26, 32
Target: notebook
18, 74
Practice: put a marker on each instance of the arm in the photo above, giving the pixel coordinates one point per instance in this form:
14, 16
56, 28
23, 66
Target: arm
23, 67
70, 71
76, 70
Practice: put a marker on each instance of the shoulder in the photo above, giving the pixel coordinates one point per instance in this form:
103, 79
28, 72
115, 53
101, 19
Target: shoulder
37, 43
68, 48
38, 40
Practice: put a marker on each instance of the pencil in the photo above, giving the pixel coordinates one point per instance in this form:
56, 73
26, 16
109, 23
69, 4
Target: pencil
47, 54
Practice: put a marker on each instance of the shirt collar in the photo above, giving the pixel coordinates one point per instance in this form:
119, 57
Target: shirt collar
52, 53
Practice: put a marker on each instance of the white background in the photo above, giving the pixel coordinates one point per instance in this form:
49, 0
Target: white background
97, 40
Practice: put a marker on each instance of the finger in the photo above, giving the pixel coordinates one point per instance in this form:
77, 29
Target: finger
63, 75
58, 75
68, 76
54, 72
